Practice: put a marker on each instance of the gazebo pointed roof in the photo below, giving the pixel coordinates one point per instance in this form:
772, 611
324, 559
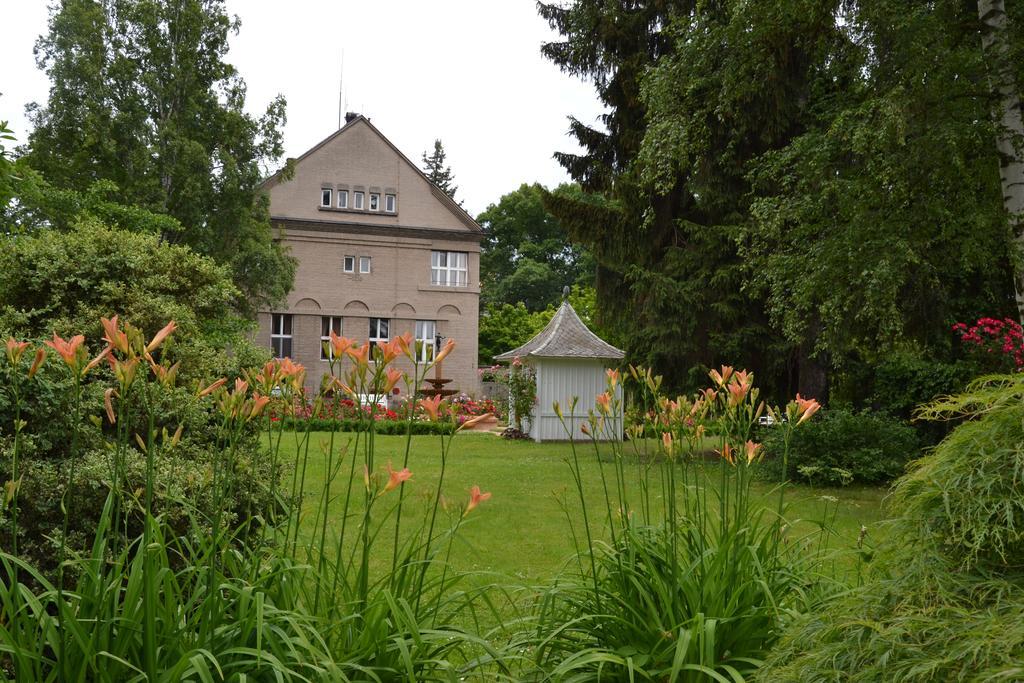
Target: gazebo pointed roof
565, 337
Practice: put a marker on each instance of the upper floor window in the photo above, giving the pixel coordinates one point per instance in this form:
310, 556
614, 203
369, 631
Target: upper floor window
389, 203
364, 264
325, 196
449, 268
426, 340
357, 200
374, 201
349, 264
342, 199
281, 334
328, 324
378, 331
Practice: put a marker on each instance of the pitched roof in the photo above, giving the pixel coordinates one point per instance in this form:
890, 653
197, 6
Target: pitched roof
565, 337
441, 196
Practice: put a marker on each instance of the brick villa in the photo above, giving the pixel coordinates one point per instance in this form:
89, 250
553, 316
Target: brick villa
381, 251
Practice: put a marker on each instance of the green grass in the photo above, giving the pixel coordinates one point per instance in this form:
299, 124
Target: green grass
522, 532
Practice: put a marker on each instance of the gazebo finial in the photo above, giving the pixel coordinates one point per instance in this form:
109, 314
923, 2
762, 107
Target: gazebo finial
565, 293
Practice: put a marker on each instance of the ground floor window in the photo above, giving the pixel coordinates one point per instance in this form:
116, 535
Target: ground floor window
426, 340
328, 324
281, 334
378, 331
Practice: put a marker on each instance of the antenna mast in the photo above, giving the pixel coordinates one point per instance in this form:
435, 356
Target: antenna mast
341, 89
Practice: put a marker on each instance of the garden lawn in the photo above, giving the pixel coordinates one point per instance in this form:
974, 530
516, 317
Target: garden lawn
522, 532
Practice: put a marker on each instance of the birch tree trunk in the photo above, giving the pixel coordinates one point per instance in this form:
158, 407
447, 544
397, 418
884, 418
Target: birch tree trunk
994, 41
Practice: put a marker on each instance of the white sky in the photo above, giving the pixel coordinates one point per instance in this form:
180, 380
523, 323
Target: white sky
466, 71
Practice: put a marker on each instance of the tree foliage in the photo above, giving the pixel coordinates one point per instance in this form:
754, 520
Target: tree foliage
437, 172
526, 255
141, 96
790, 185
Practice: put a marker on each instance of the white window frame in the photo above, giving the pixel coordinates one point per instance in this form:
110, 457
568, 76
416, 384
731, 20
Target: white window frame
374, 201
348, 264
342, 199
333, 323
444, 274
389, 203
326, 193
278, 334
426, 340
375, 337
357, 200
367, 262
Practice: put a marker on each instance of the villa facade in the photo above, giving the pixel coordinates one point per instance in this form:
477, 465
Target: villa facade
381, 251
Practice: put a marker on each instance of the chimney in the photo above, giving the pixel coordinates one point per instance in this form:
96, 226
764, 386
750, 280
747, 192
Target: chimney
351, 116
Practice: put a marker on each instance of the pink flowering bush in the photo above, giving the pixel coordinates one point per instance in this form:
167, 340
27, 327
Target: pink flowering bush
998, 342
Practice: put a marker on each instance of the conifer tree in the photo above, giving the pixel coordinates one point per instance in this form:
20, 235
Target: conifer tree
439, 174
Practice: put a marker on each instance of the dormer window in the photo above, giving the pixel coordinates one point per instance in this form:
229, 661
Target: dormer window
389, 203
325, 197
357, 200
342, 199
374, 201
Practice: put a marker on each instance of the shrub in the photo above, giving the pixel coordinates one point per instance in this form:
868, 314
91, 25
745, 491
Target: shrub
842, 447
394, 427
945, 600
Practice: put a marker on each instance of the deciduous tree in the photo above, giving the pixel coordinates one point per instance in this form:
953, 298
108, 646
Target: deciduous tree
141, 95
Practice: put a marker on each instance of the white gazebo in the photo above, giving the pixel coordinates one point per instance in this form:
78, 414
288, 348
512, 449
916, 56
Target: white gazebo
570, 361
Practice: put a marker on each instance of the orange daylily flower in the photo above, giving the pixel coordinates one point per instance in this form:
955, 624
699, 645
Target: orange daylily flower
37, 362
737, 393
475, 498
114, 336
752, 449
161, 336
666, 441
585, 429
109, 404
68, 350
15, 350
389, 350
393, 376
405, 343
726, 453
395, 479
259, 402
359, 353
445, 350
722, 377
212, 388
604, 402
431, 406
613, 376
339, 345
806, 407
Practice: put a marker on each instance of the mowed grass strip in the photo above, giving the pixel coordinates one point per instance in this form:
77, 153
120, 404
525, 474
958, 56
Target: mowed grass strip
522, 531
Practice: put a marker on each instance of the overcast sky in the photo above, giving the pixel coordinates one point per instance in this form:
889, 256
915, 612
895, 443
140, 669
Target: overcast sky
466, 71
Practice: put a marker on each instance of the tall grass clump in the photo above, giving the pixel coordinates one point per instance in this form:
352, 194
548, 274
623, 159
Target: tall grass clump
696, 575
945, 600
365, 596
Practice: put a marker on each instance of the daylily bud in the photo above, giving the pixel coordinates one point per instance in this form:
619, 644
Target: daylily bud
109, 404
449, 346
161, 336
38, 361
